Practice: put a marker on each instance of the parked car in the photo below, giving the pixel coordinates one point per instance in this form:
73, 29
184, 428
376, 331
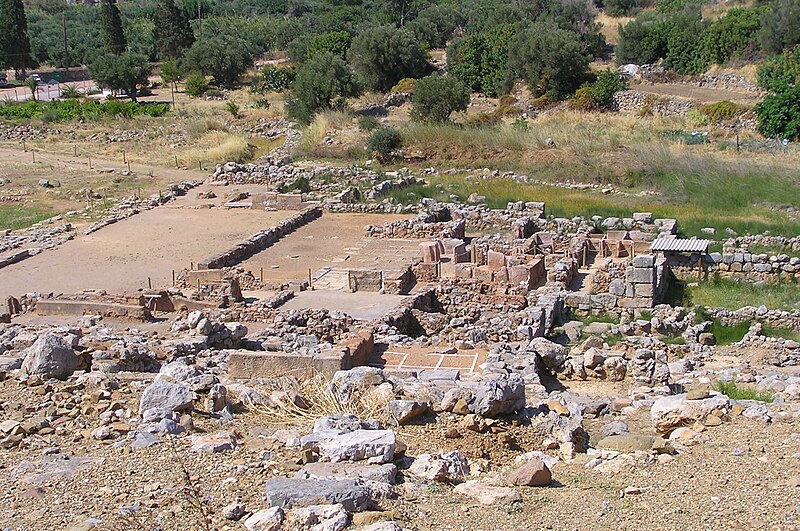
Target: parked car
4, 80
37, 77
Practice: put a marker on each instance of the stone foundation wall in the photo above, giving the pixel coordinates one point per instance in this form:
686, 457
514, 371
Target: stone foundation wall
262, 240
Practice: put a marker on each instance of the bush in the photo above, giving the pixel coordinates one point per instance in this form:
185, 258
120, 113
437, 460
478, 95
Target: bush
781, 72
262, 103
223, 58
436, 97
382, 56
273, 79
232, 108
621, 8
480, 61
384, 141
334, 42
780, 26
322, 83
69, 92
722, 111
71, 109
300, 184
196, 84
405, 85
737, 392
779, 114
368, 123
599, 96
551, 60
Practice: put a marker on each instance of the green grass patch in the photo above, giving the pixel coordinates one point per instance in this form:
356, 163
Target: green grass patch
785, 333
724, 293
692, 215
677, 340
742, 392
20, 217
729, 334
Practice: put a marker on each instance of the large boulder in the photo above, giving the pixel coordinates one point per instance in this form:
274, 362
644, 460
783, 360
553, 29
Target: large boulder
553, 355
51, 356
164, 396
499, 394
670, 412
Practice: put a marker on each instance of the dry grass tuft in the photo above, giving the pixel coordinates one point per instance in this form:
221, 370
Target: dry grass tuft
610, 26
215, 147
302, 401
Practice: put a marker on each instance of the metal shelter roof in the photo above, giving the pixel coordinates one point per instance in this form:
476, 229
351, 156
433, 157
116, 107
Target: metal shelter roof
676, 245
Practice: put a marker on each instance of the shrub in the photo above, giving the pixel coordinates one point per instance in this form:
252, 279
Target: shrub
334, 42
382, 56
384, 141
223, 58
480, 61
72, 109
722, 111
232, 108
322, 83
436, 97
621, 8
69, 92
780, 26
405, 85
779, 114
780, 72
551, 60
599, 96
367, 123
262, 103
196, 84
273, 79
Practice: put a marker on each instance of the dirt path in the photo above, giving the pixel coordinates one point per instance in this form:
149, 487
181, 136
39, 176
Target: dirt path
121, 257
702, 94
9, 155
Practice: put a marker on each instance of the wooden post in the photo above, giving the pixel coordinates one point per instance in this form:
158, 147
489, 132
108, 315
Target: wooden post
124, 158
173, 277
129, 166
149, 283
262, 275
309, 277
176, 161
24, 147
75, 150
33, 154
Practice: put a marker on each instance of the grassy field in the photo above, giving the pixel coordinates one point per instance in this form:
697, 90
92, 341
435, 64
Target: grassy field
700, 185
17, 217
695, 211
718, 293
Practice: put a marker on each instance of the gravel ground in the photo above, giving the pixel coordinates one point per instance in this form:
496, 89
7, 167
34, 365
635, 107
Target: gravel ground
741, 479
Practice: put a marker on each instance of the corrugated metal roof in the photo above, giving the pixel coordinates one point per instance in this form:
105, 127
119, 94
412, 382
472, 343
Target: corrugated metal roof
677, 245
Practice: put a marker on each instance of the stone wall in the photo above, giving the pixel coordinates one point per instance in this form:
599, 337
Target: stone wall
634, 102
740, 266
262, 240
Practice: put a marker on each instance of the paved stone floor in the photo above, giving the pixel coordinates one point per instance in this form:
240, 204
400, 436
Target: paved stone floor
416, 358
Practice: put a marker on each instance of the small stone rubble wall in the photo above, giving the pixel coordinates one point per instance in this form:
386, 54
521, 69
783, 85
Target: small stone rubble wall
262, 240
415, 229
740, 266
632, 101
